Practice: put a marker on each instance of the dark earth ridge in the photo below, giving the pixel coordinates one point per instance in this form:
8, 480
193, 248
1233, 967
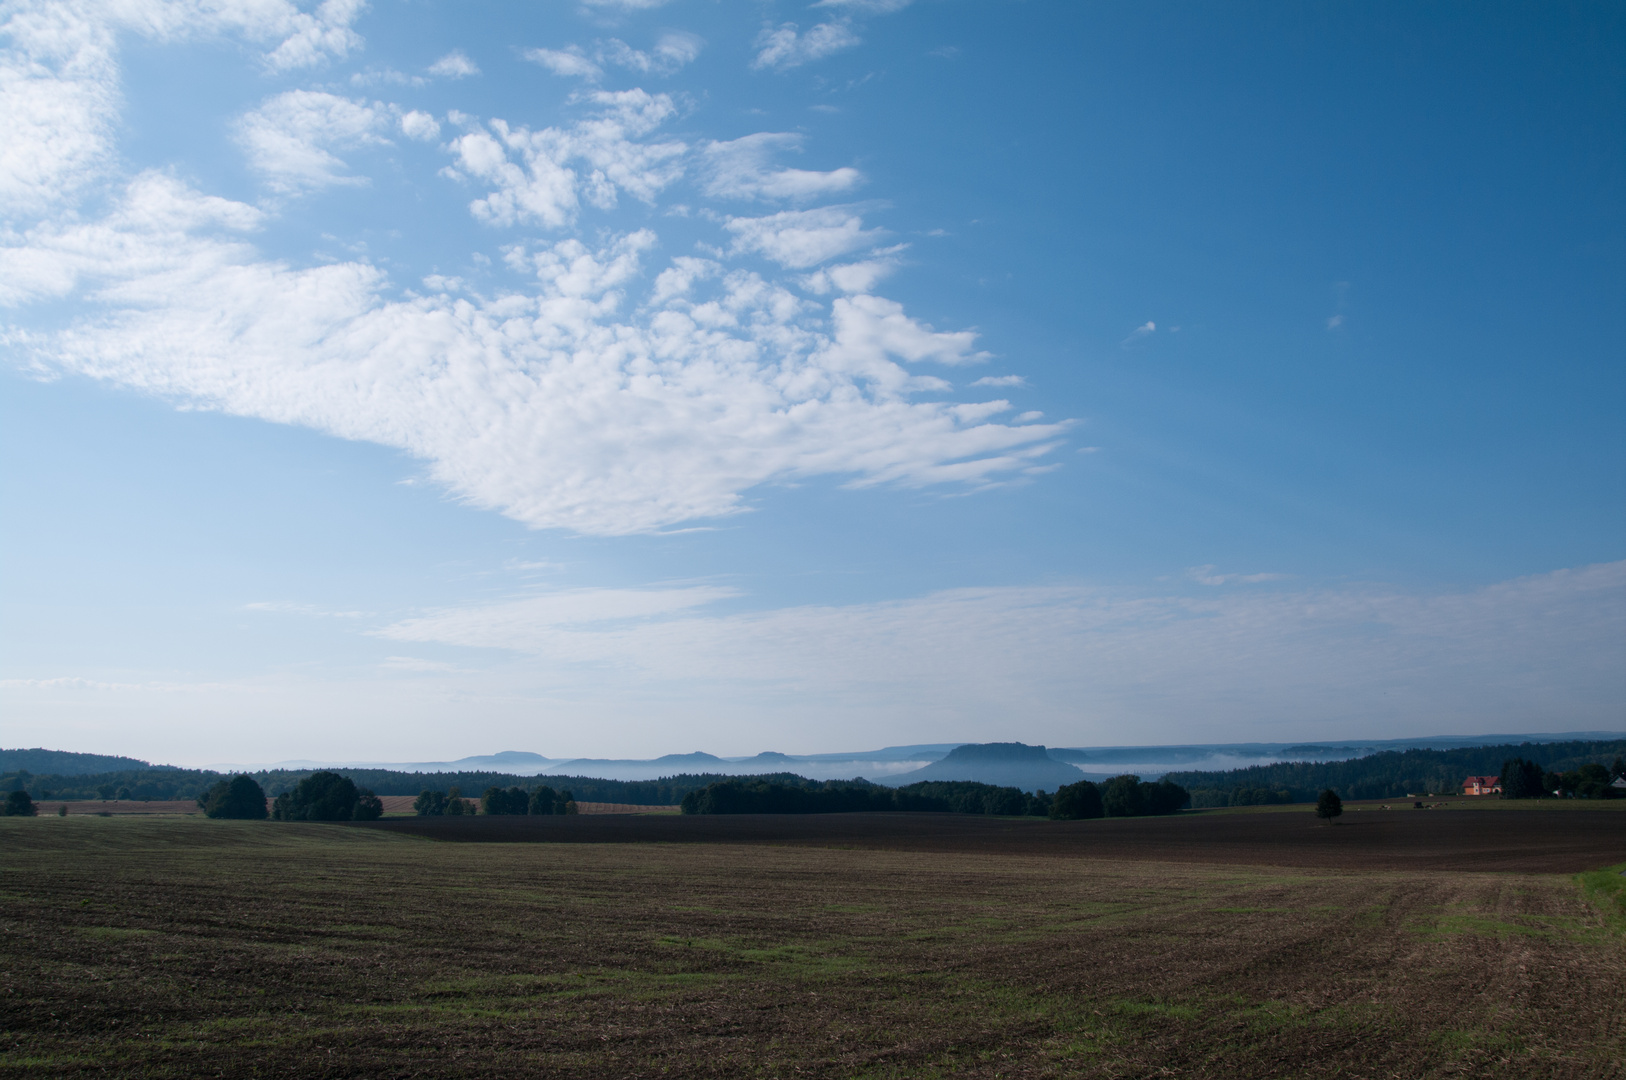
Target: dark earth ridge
1530, 841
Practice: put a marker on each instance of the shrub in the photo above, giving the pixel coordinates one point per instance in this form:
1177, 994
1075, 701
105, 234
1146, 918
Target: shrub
1076, 802
369, 807
429, 803
18, 804
544, 800
1329, 805
240, 798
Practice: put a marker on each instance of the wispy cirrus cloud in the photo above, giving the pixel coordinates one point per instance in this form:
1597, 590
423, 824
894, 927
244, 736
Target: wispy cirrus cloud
289, 140
799, 239
787, 46
454, 65
1079, 659
744, 168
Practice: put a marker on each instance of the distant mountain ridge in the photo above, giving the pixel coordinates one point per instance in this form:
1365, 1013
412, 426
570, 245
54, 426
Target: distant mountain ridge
1007, 764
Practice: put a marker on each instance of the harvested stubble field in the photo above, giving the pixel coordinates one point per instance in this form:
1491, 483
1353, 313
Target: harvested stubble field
190, 947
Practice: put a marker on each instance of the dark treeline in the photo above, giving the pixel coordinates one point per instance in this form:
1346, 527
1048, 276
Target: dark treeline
165, 784
794, 795
1391, 774
157, 784
1120, 796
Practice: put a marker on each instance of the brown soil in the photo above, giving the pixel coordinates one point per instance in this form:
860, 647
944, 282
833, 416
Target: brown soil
622, 808
1531, 841
185, 947
119, 806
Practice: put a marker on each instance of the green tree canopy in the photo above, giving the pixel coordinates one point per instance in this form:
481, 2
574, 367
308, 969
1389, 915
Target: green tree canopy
240, 797
18, 804
498, 801
1329, 805
1521, 779
1076, 802
326, 796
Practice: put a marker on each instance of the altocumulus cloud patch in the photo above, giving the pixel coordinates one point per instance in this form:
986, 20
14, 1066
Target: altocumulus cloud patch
619, 389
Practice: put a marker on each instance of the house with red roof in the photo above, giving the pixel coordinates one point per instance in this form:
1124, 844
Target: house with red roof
1482, 785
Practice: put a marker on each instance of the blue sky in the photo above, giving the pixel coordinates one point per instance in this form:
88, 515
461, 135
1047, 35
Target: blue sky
412, 380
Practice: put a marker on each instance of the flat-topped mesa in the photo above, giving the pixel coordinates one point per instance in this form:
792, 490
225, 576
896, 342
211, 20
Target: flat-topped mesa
998, 751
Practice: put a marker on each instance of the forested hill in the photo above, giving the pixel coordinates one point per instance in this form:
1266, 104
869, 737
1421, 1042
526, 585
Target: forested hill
64, 763
1387, 775
162, 783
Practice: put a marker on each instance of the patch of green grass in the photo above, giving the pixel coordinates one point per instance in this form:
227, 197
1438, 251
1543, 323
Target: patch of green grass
1605, 890
1162, 1009
115, 933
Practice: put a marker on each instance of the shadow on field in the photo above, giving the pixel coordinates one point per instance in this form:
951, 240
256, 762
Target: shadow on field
1534, 841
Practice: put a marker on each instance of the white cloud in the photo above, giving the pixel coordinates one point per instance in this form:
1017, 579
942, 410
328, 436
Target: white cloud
554, 408
870, 331
417, 664
541, 177
785, 47
799, 239
1083, 664
316, 37
287, 139
572, 63
676, 281
1001, 380
672, 51
743, 169
420, 126
1204, 575
59, 94
866, 7
858, 277
454, 65
1145, 329
536, 624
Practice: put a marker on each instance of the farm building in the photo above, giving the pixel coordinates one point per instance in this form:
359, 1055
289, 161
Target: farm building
1482, 785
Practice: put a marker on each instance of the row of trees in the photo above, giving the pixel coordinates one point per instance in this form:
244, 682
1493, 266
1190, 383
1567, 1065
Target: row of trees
1522, 779
1122, 796
323, 796
511, 801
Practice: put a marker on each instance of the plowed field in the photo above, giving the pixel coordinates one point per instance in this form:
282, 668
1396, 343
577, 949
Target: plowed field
1554, 841
185, 947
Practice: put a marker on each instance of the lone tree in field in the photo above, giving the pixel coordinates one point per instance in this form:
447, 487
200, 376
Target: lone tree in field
237, 798
18, 804
1329, 805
